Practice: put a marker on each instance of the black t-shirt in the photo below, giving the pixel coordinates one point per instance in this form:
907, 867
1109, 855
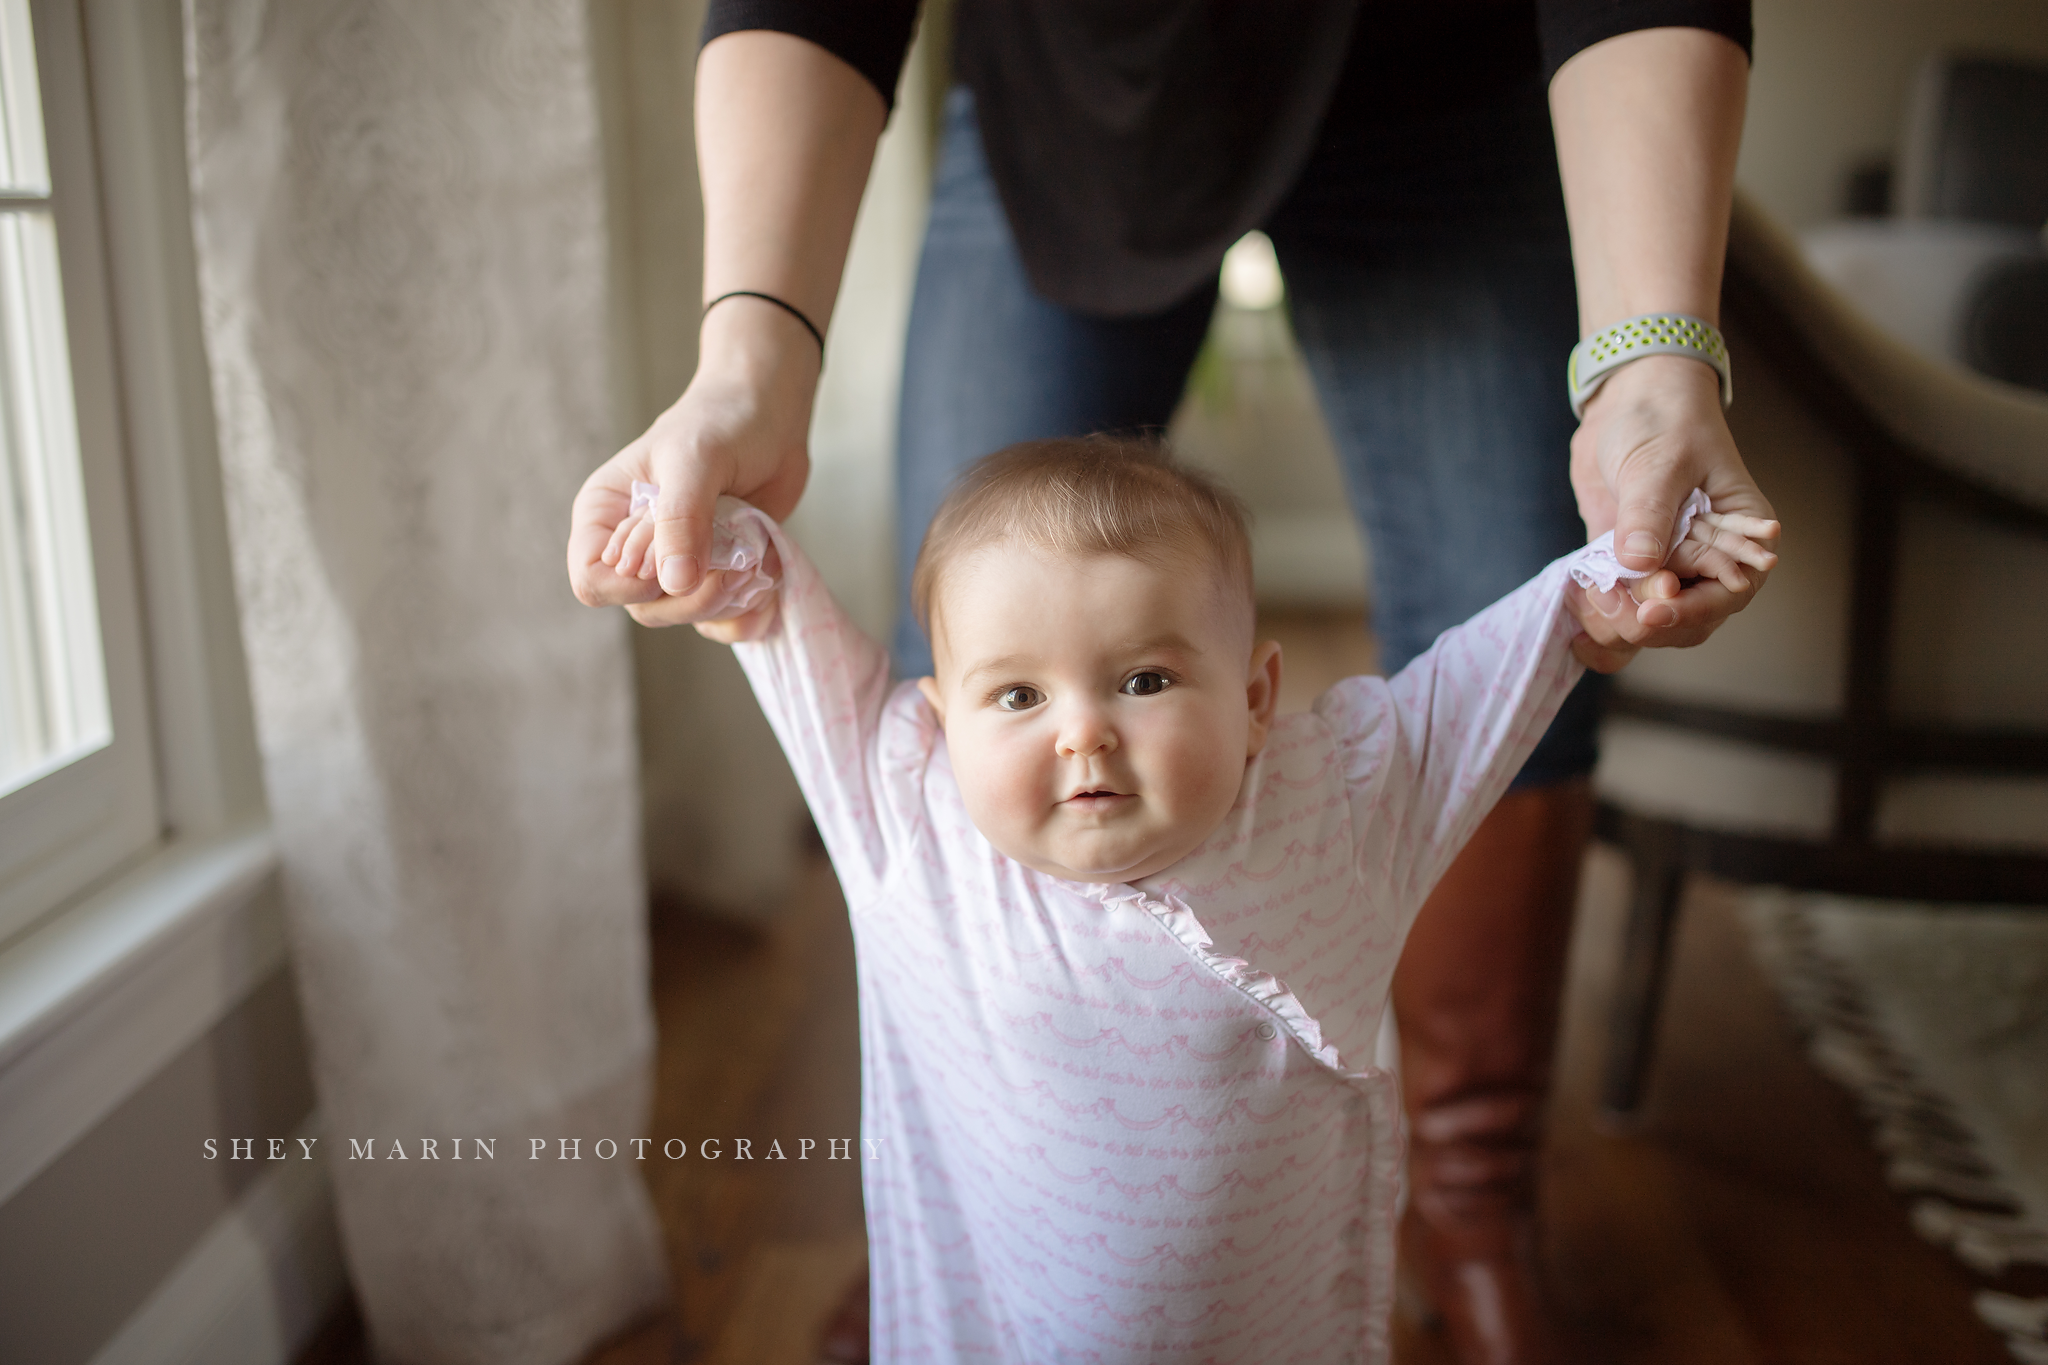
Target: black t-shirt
1134, 140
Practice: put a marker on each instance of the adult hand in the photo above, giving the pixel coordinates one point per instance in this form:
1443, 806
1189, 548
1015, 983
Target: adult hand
785, 135
1651, 434
741, 428
1603, 617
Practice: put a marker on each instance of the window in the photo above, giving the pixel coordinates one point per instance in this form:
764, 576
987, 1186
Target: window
53, 693
77, 781
137, 902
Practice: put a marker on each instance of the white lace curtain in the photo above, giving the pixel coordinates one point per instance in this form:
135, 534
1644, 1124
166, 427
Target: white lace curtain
398, 217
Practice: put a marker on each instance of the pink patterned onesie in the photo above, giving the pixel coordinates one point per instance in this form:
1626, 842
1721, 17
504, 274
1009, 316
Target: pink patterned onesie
1136, 1122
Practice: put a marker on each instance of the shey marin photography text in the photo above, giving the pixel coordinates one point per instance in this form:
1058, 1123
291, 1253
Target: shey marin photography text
544, 1149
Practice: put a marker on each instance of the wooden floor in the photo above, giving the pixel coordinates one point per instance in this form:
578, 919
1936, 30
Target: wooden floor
1743, 1221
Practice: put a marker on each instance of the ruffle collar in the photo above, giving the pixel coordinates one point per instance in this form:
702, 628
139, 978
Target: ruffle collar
1178, 919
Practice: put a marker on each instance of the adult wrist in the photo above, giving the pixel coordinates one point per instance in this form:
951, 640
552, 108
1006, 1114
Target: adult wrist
757, 347
777, 302
1665, 382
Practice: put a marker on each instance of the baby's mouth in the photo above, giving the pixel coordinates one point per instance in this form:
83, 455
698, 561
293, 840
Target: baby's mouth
1095, 798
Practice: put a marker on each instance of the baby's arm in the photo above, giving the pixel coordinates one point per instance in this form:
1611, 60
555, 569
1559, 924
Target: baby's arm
819, 678
1428, 752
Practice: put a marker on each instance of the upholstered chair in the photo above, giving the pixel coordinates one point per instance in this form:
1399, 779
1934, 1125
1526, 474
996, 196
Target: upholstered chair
1959, 269
1876, 723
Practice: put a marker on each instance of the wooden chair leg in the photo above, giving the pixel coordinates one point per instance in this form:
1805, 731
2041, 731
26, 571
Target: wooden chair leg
1639, 986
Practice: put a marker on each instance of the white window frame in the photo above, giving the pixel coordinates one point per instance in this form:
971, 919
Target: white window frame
90, 814
164, 916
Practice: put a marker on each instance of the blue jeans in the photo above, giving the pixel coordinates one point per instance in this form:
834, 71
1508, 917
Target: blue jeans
1437, 356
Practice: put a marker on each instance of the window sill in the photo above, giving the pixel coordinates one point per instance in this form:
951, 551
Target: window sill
96, 1001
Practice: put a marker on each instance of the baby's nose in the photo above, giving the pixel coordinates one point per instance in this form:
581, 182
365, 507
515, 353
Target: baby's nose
1085, 732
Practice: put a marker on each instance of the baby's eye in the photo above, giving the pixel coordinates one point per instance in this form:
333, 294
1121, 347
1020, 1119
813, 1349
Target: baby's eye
1019, 698
1146, 684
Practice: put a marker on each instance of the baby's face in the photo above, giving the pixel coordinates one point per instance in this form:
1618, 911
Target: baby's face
1099, 712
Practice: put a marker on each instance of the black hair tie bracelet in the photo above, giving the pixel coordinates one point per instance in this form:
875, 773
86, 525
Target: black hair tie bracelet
788, 308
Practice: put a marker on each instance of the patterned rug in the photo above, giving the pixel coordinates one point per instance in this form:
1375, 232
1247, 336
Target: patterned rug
1937, 1020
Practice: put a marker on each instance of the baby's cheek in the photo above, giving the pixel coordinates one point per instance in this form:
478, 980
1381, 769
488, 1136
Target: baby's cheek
1000, 784
1206, 764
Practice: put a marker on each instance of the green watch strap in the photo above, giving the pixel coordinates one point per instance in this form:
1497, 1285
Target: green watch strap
1604, 352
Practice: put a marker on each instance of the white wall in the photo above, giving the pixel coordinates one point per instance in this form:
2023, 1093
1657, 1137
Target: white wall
846, 522
1830, 81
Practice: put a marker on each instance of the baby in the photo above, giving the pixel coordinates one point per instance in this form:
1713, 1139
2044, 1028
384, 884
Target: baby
1124, 934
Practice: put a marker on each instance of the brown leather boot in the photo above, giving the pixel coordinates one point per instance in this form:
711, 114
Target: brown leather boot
1476, 998
845, 1339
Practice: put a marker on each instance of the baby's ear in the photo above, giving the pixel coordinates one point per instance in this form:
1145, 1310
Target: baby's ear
1262, 693
930, 688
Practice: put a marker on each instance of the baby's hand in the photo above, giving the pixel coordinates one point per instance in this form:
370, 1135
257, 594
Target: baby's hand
626, 551
739, 589
1600, 644
1716, 545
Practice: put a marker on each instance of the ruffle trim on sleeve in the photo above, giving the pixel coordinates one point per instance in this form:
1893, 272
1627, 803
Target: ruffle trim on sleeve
739, 549
1597, 568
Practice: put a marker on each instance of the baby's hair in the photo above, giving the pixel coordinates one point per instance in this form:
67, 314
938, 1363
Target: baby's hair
1084, 496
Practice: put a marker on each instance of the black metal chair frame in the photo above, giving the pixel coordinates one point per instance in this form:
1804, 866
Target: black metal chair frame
1867, 745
